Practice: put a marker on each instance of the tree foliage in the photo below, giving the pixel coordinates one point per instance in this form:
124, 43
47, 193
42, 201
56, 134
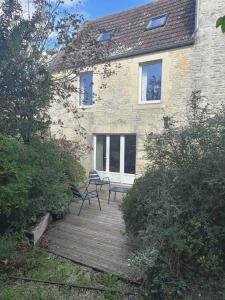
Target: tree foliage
41, 56
32, 49
178, 207
221, 23
24, 80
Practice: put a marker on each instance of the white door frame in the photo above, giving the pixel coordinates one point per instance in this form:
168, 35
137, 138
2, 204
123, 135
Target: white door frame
120, 177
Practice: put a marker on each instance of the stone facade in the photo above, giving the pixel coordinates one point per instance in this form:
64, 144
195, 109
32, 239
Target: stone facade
208, 55
197, 67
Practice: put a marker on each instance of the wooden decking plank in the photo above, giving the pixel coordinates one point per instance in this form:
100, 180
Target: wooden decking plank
86, 222
112, 251
83, 222
94, 249
108, 251
76, 232
112, 210
95, 261
95, 238
91, 255
100, 218
107, 228
100, 266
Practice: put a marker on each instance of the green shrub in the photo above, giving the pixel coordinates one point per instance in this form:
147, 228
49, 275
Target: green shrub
15, 183
178, 207
34, 179
8, 249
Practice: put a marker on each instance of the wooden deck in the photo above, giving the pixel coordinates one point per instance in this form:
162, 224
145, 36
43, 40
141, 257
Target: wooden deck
95, 239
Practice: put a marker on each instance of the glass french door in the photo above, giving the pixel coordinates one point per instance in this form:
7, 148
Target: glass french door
115, 157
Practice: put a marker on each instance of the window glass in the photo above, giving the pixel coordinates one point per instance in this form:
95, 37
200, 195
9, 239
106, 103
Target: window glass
86, 89
104, 36
101, 152
130, 154
114, 162
157, 22
151, 82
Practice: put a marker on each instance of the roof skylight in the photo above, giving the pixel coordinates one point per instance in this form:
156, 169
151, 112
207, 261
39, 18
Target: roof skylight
104, 36
157, 22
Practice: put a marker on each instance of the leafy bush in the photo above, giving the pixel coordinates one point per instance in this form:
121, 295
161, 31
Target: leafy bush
178, 207
34, 179
8, 249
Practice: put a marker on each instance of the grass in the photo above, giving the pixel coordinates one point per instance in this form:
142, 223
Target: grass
39, 264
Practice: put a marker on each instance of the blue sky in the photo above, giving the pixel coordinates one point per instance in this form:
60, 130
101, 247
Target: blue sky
93, 9
98, 8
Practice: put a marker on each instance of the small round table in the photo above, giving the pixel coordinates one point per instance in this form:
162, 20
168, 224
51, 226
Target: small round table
117, 189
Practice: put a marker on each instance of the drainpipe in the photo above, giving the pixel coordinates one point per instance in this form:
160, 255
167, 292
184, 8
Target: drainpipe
197, 13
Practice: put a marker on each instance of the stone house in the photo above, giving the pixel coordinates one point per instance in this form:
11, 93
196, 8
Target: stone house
166, 49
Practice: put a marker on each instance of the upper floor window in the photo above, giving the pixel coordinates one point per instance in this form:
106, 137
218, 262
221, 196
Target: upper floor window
104, 36
151, 82
86, 89
157, 22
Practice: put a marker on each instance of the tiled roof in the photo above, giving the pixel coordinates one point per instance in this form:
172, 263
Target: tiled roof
131, 37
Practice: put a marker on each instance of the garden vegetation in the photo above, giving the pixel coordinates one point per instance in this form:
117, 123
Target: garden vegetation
34, 179
178, 208
36, 170
41, 58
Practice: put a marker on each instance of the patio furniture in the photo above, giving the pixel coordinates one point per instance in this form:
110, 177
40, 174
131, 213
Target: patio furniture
95, 179
117, 189
85, 196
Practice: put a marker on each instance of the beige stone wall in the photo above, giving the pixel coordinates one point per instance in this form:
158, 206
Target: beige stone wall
118, 110
208, 66
201, 66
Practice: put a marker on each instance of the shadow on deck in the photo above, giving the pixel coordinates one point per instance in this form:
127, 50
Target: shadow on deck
95, 239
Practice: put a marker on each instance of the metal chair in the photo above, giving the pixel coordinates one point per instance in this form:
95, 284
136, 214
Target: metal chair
85, 196
94, 178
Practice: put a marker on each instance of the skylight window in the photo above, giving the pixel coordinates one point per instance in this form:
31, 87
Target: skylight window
104, 36
157, 22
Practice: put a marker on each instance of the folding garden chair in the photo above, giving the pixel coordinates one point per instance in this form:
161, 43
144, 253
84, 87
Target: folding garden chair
85, 196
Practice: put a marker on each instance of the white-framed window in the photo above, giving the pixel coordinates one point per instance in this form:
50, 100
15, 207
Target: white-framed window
115, 153
114, 156
86, 90
151, 82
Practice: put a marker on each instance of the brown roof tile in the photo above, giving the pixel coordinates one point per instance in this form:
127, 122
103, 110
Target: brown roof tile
130, 35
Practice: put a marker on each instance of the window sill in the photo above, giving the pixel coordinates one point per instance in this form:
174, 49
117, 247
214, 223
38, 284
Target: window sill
150, 105
150, 102
85, 107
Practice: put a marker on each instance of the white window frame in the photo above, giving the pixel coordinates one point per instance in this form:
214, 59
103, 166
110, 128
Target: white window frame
121, 176
140, 81
79, 96
122, 150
